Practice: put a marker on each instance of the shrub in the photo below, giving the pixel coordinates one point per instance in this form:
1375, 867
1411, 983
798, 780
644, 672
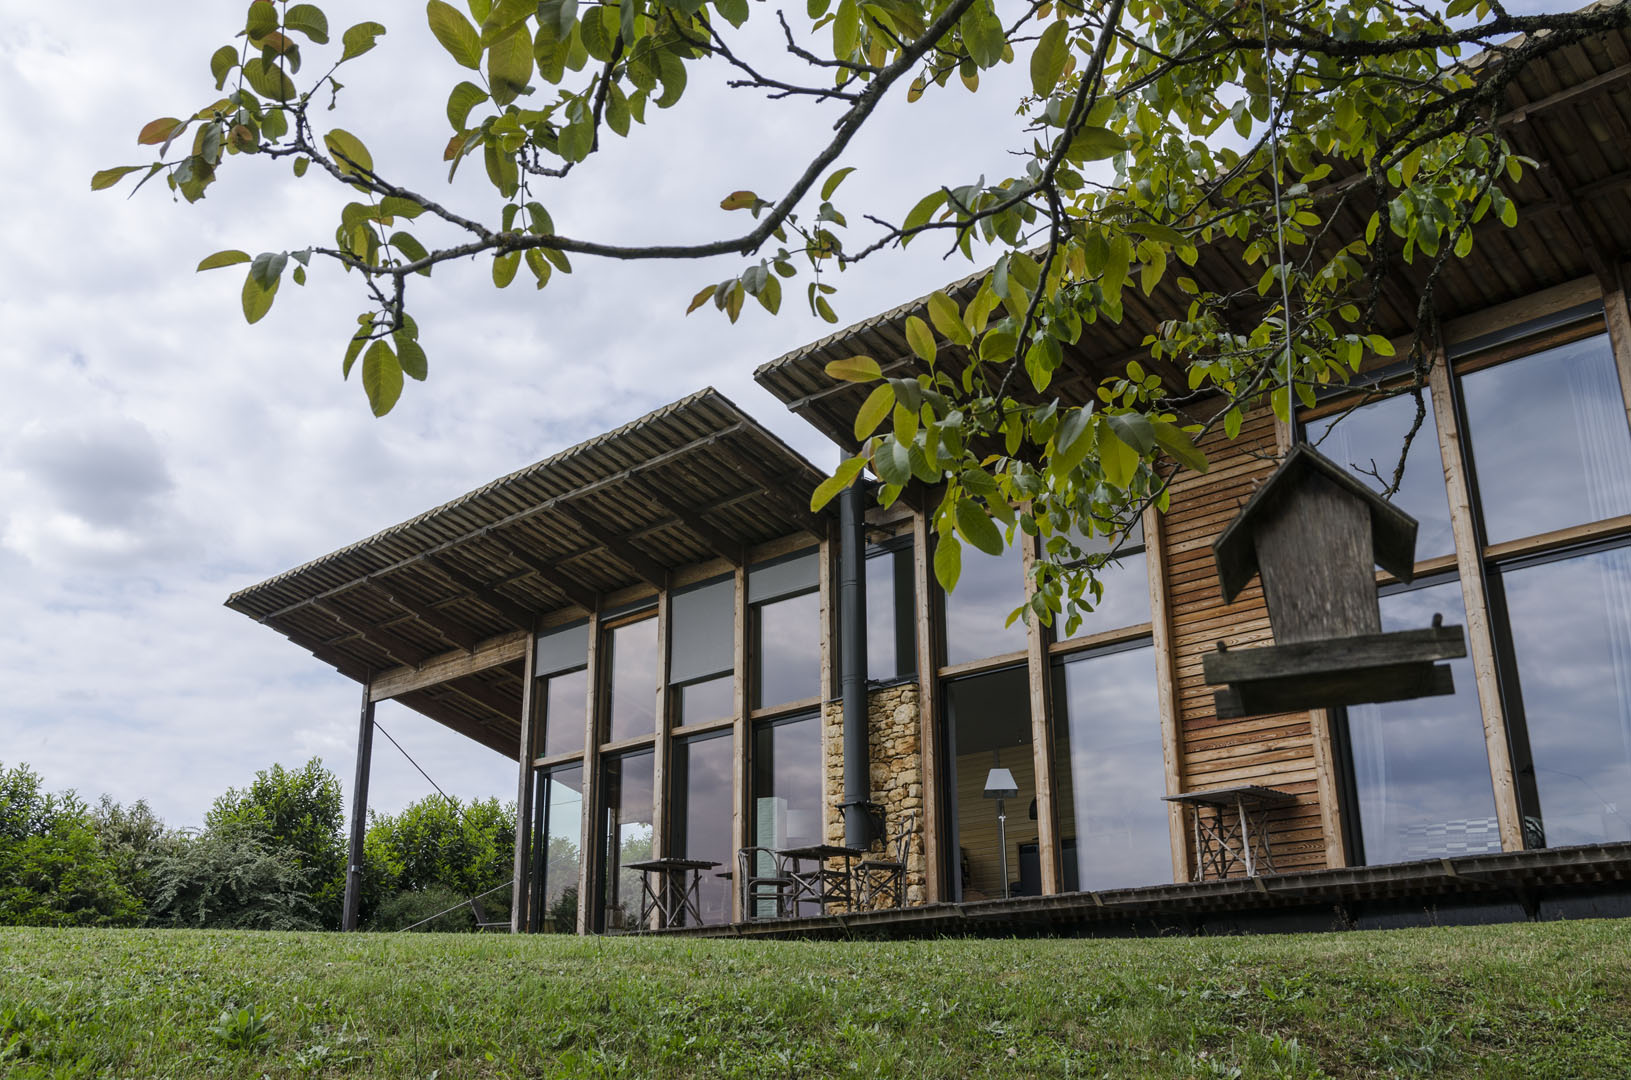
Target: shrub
52, 870
231, 879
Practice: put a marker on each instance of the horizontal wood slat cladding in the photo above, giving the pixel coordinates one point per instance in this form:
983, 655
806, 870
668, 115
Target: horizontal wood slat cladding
1274, 751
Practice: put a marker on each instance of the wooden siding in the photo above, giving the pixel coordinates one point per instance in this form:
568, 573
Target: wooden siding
1274, 751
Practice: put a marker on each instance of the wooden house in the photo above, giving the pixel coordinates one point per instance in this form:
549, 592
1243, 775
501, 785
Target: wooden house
649, 624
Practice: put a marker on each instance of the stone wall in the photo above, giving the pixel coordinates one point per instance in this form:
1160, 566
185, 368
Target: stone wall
896, 756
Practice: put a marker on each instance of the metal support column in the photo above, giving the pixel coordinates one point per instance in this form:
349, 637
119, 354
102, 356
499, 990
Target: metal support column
359, 810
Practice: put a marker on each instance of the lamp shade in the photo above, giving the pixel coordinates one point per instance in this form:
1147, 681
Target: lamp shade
999, 784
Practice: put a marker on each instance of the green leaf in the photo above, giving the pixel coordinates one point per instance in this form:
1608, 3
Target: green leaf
617, 109
738, 200
223, 258
262, 18
892, 461
349, 152
353, 350
411, 248
1118, 460
920, 338
1231, 422
873, 410
923, 211
465, 96
359, 39
509, 67
829, 488
504, 267
106, 178
1048, 61
162, 130
267, 267
1179, 446
701, 298
559, 14
1379, 345
948, 561
1093, 143
948, 320
222, 62
269, 80
257, 298
998, 346
734, 11
1134, 430
855, 369
381, 377
410, 355
975, 526
455, 33
834, 180
309, 20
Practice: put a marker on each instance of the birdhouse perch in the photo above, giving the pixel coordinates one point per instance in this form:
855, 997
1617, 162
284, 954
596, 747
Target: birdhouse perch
1315, 534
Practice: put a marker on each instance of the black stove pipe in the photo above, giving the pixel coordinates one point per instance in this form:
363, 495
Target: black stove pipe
857, 804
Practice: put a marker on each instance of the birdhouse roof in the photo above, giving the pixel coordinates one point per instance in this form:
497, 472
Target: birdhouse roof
1393, 532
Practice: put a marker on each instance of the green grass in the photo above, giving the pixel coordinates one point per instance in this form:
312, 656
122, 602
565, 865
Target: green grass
1529, 1001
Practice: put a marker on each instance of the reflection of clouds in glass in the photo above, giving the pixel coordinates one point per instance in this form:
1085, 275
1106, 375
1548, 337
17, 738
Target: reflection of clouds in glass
988, 590
629, 785
1126, 599
1571, 631
706, 767
787, 788
1113, 747
705, 701
1421, 771
1371, 438
1550, 443
633, 707
788, 656
566, 704
563, 795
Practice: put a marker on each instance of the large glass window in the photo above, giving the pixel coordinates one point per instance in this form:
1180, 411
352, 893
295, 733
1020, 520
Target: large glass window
1420, 783
557, 855
787, 783
631, 661
1550, 444
702, 652
701, 824
626, 835
1113, 825
561, 666
1126, 597
1570, 624
891, 614
989, 727
988, 590
785, 616
1367, 442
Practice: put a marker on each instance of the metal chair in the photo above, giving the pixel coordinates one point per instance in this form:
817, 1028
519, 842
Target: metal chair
757, 886
885, 878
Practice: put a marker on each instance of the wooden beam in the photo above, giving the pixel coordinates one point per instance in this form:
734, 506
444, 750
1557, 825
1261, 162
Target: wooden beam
359, 813
716, 541
927, 707
1564, 97
741, 745
653, 572
444, 667
443, 623
1480, 636
573, 589
401, 651
1617, 317
661, 773
1166, 683
526, 810
1038, 677
500, 603
774, 488
588, 844
488, 698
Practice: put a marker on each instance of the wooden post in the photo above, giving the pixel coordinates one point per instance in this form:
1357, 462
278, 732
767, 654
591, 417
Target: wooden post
1036, 665
359, 812
827, 587
928, 666
1166, 685
1480, 639
525, 794
660, 749
588, 872
741, 746
1617, 317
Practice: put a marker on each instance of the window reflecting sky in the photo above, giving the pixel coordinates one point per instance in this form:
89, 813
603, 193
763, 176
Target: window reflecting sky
566, 712
1111, 746
558, 862
787, 650
702, 816
700, 637
632, 654
1126, 599
1550, 443
700, 702
1571, 630
628, 831
1421, 770
787, 783
890, 616
1370, 438
989, 589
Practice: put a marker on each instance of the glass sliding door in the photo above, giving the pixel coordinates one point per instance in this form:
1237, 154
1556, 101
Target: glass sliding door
701, 824
786, 791
626, 835
557, 854
1113, 824
988, 727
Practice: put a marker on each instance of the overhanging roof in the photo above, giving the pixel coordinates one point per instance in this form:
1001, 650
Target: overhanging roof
1569, 110
691, 482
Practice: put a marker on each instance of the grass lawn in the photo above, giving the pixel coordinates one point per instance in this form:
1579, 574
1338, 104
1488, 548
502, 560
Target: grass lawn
1528, 1001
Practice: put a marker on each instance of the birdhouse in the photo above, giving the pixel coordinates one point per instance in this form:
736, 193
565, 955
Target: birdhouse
1315, 534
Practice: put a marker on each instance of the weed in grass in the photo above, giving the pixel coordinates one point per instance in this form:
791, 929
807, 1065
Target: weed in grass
243, 1029
1425, 1049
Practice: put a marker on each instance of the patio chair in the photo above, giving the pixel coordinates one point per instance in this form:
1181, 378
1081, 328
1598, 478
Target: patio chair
758, 886
883, 879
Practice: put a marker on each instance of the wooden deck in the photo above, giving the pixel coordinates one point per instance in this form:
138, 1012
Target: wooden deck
1574, 882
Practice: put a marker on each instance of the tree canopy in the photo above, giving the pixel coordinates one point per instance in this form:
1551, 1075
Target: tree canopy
1311, 144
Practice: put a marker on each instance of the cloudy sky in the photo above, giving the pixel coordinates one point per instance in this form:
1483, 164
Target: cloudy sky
156, 453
